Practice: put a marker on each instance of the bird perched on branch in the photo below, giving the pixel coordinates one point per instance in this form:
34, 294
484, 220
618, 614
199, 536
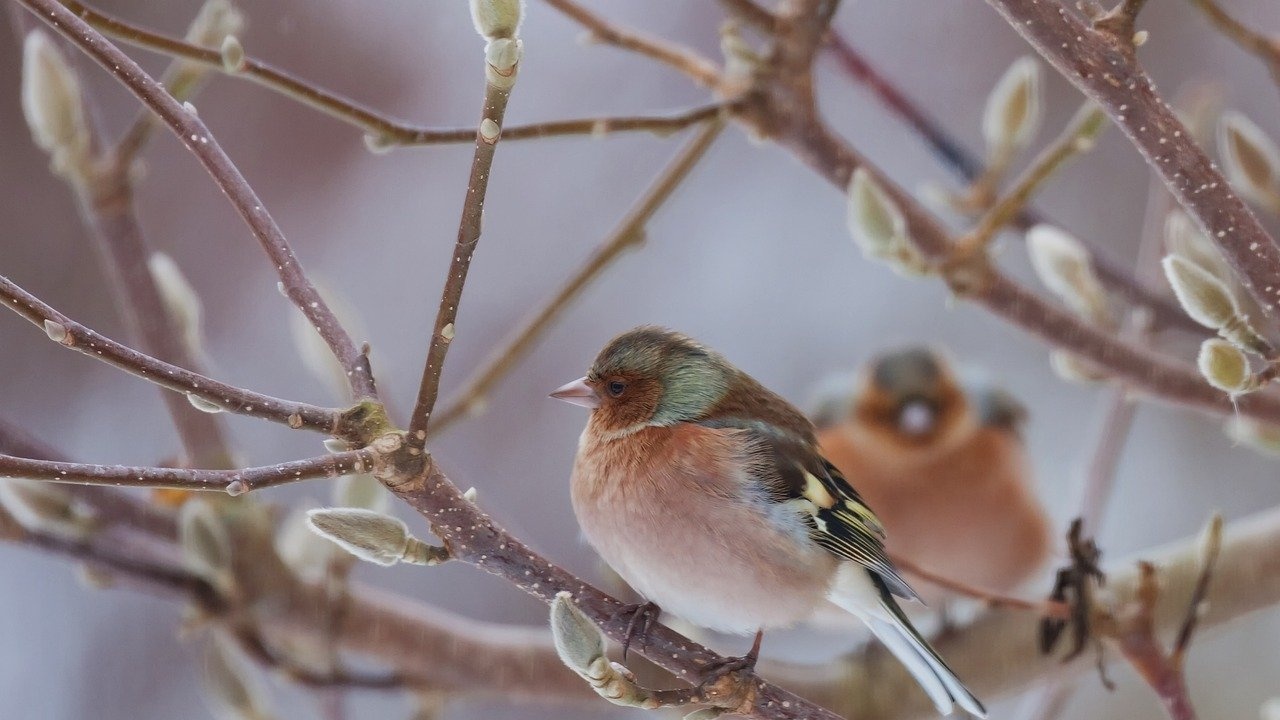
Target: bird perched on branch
945, 470
708, 494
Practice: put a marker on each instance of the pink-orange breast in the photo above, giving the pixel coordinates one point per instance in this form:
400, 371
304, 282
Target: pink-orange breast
969, 512
672, 511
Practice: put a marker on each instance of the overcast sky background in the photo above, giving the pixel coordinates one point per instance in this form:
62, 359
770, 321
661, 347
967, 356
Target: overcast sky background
751, 256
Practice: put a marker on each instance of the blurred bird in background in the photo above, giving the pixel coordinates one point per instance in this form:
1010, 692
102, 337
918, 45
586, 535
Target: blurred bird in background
944, 468
707, 493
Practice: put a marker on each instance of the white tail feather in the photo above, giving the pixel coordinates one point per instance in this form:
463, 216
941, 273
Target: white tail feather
856, 592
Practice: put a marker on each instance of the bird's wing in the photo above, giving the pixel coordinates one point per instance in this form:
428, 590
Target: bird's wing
794, 473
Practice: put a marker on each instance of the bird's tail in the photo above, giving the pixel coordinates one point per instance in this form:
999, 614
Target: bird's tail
862, 593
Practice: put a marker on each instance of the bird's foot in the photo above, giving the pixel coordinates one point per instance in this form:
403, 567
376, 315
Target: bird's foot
640, 617
730, 678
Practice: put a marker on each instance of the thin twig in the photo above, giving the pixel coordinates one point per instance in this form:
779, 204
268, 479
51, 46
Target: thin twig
1265, 46
1210, 548
496, 96
71, 334
256, 647
699, 69
200, 141
1048, 608
106, 204
1076, 138
234, 482
1108, 74
386, 130
970, 167
630, 232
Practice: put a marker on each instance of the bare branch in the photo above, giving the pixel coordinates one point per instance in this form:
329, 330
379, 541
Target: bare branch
1078, 137
1105, 70
1119, 280
233, 482
699, 69
497, 92
71, 334
1266, 47
1049, 608
385, 130
106, 204
630, 232
196, 137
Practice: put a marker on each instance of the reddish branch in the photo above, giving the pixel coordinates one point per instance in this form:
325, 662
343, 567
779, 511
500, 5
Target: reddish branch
72, 335
1102, 65
234, 482
197, 138
491, 116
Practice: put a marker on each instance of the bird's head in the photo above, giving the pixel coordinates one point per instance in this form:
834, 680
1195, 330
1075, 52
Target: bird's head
649, 376
911, 398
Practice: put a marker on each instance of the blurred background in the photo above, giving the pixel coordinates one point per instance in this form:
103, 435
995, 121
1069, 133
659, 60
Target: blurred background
751, 256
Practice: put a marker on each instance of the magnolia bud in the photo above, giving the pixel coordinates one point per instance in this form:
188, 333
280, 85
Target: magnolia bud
180, 299
1202, 295
1066, 268
233, 60
1073, 368
306, 553
1013, 109
497, 18
1225, 367
46, 507
361, 491
579, 642
53, 105
874, 219
1250, 159
202, 404
206, 546
1263, 437
232, 688
216, 20
373, 536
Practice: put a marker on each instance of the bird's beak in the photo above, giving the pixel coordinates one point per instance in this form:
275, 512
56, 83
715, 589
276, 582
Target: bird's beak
578, 392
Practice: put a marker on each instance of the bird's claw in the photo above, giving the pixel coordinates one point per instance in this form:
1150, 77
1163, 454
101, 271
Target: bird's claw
641, 617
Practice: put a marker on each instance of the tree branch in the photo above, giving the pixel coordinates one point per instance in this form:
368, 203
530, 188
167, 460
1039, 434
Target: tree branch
71, 334
1103, 67
1266, 47
197, 138
630, 232
385, 130
697, 68
233, 482
497, 91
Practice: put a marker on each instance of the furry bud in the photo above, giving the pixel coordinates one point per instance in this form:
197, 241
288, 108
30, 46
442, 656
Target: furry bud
1202, 295
373, 536
206, 546
361, 491
46, 507
1250, 158
497, 18
230, 685
53, 105
1066, 268
1014, 107
1225, 367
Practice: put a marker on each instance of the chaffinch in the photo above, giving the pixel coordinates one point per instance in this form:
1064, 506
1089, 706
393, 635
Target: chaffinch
945, 470
707, 493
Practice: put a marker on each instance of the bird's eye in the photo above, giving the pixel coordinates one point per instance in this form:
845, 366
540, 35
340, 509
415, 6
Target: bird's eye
616, 387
